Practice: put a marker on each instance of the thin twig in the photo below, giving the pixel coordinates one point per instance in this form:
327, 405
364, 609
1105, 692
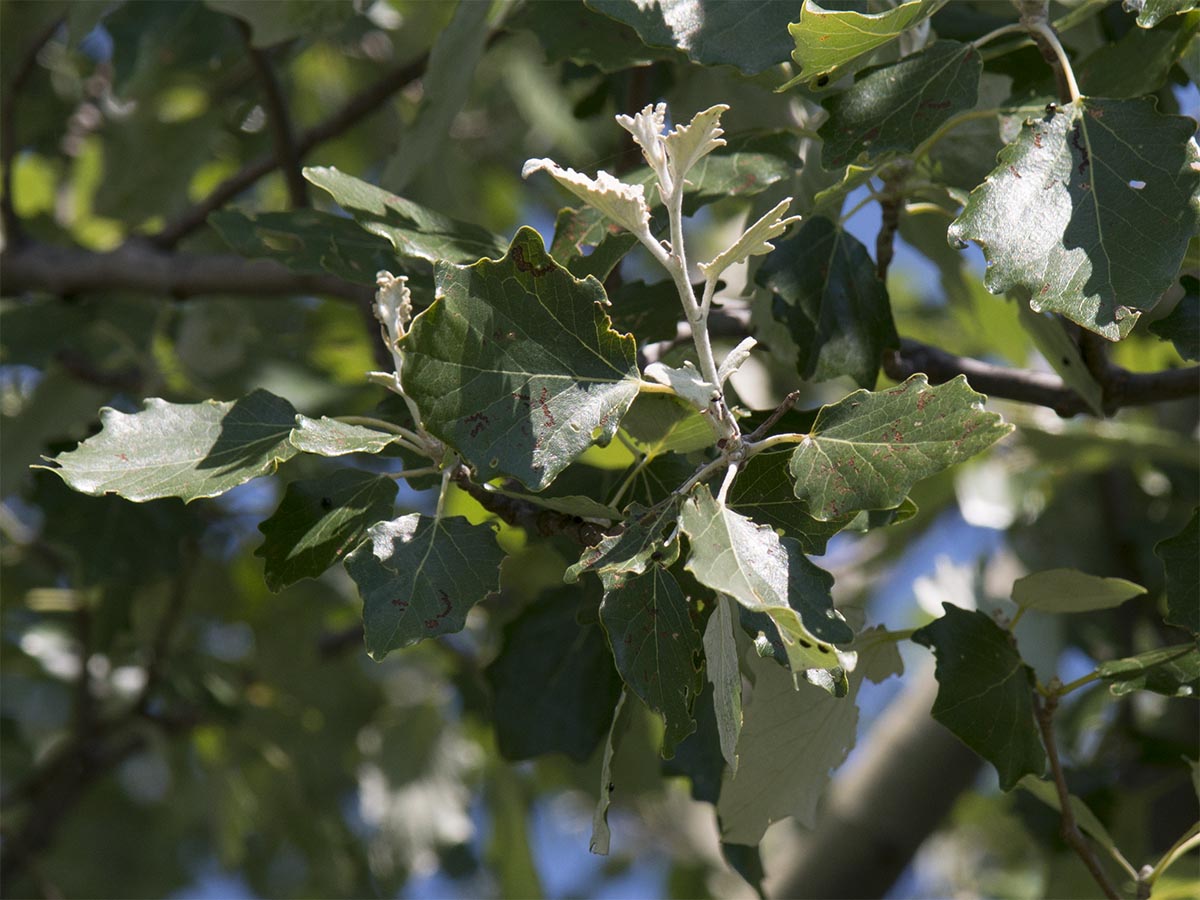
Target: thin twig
278, 119
1070, 828
782, 409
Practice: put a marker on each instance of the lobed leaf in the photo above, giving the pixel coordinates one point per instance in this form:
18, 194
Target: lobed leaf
753, 241
187, 450
641, 542
1182, 326
1181, 560
867, 450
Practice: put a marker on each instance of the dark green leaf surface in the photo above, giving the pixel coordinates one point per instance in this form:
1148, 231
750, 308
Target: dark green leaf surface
651, 312
893, 108
319, 521
1090, 209
832, 43
274, 21
1181, 560
1182, 326
985, 692
1151, 12
1172, 671
307, 241
661, 423
601, 836
763, 492
699, 757
720, 654
1071, 591
187, 450
553, 683
835, 306
516, 365
584, 36
329, 437
749, 34
1047, 792
414, 231
630, 551
768, 574
419, 577
656, 646
867, 450
1140, 62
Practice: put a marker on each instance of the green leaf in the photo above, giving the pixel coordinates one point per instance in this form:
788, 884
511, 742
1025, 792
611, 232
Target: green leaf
571, 31
516, 365
893, 108
307, 241
1172, 671
274, 21
180, 449
763, 492
650, 311
830, 44
609, 250
601, 836
867, 450
1048, 794
1050, 336
720, 654
329, 437
1110, 184
419, 577
656, 646
833, 303
553, 683
1151, 12
633, 549
985, 692
1071, 591
698, 758
768, 574
661, 423
414, 231
319, 520
749, 34
1182, 326
567, 504
1139, 62
1181, 560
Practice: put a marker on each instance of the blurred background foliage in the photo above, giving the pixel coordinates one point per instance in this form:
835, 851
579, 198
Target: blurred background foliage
169, 727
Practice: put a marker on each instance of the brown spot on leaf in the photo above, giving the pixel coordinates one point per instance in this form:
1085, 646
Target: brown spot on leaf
524, 265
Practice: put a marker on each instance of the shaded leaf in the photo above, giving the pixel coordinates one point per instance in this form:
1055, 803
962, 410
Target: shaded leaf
749, 35
329, 437
985, 692
1071, 591
835, 306
1181, 560
274, 21
419, 577
660, 423
1173, 671
516, 365
720, 654
1110, 186
319, 520
571, 666
631, 551
572, 31
867, 450
601, 837
893, 108
656, 646
1182, 326
768, 574
649, 311
1050, 336
187, 450
763, 492
830, 44
414, 231
1139, 62
1048, 794
698, 757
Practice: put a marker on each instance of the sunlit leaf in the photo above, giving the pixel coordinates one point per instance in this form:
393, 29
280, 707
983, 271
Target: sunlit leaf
329, 437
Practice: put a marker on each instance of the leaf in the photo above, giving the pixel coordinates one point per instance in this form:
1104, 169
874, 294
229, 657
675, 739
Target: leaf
273, 21
687, 144
623, 203
763, 492
1151, 12
792, 738
1181, 560
181, 450
753, 241
329, 437
1048, 794
419, 577
833, 302
1172, 671
572, 31
698, 757
1182, 326
768, 574
1071, 591
1139, 62
319, 520
985, 692
516, 365
414, 231
306, 241
650, 311
893, 108
553, 683
601, 836
656, 646
1109, 184
660, 423
571, 235
720, 654
749, 34
1050, 336
867, 450
568, 504
686, 381
633, 549
829, 43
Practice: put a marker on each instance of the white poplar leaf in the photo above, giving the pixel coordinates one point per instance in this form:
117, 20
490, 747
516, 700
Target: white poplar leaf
688, 144
393, 309
734, 360
646, 128
753, 241
624, 203
686, 382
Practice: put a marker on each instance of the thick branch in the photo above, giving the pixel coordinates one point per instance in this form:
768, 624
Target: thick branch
139, 267
286, 153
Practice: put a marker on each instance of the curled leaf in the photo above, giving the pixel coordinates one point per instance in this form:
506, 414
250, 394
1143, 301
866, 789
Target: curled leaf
688, 144
624, 203
753, 241
646, 128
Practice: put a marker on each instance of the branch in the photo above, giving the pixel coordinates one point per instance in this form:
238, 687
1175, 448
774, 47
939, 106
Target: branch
286, 155
1121, 387
1070, 828
139, 267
